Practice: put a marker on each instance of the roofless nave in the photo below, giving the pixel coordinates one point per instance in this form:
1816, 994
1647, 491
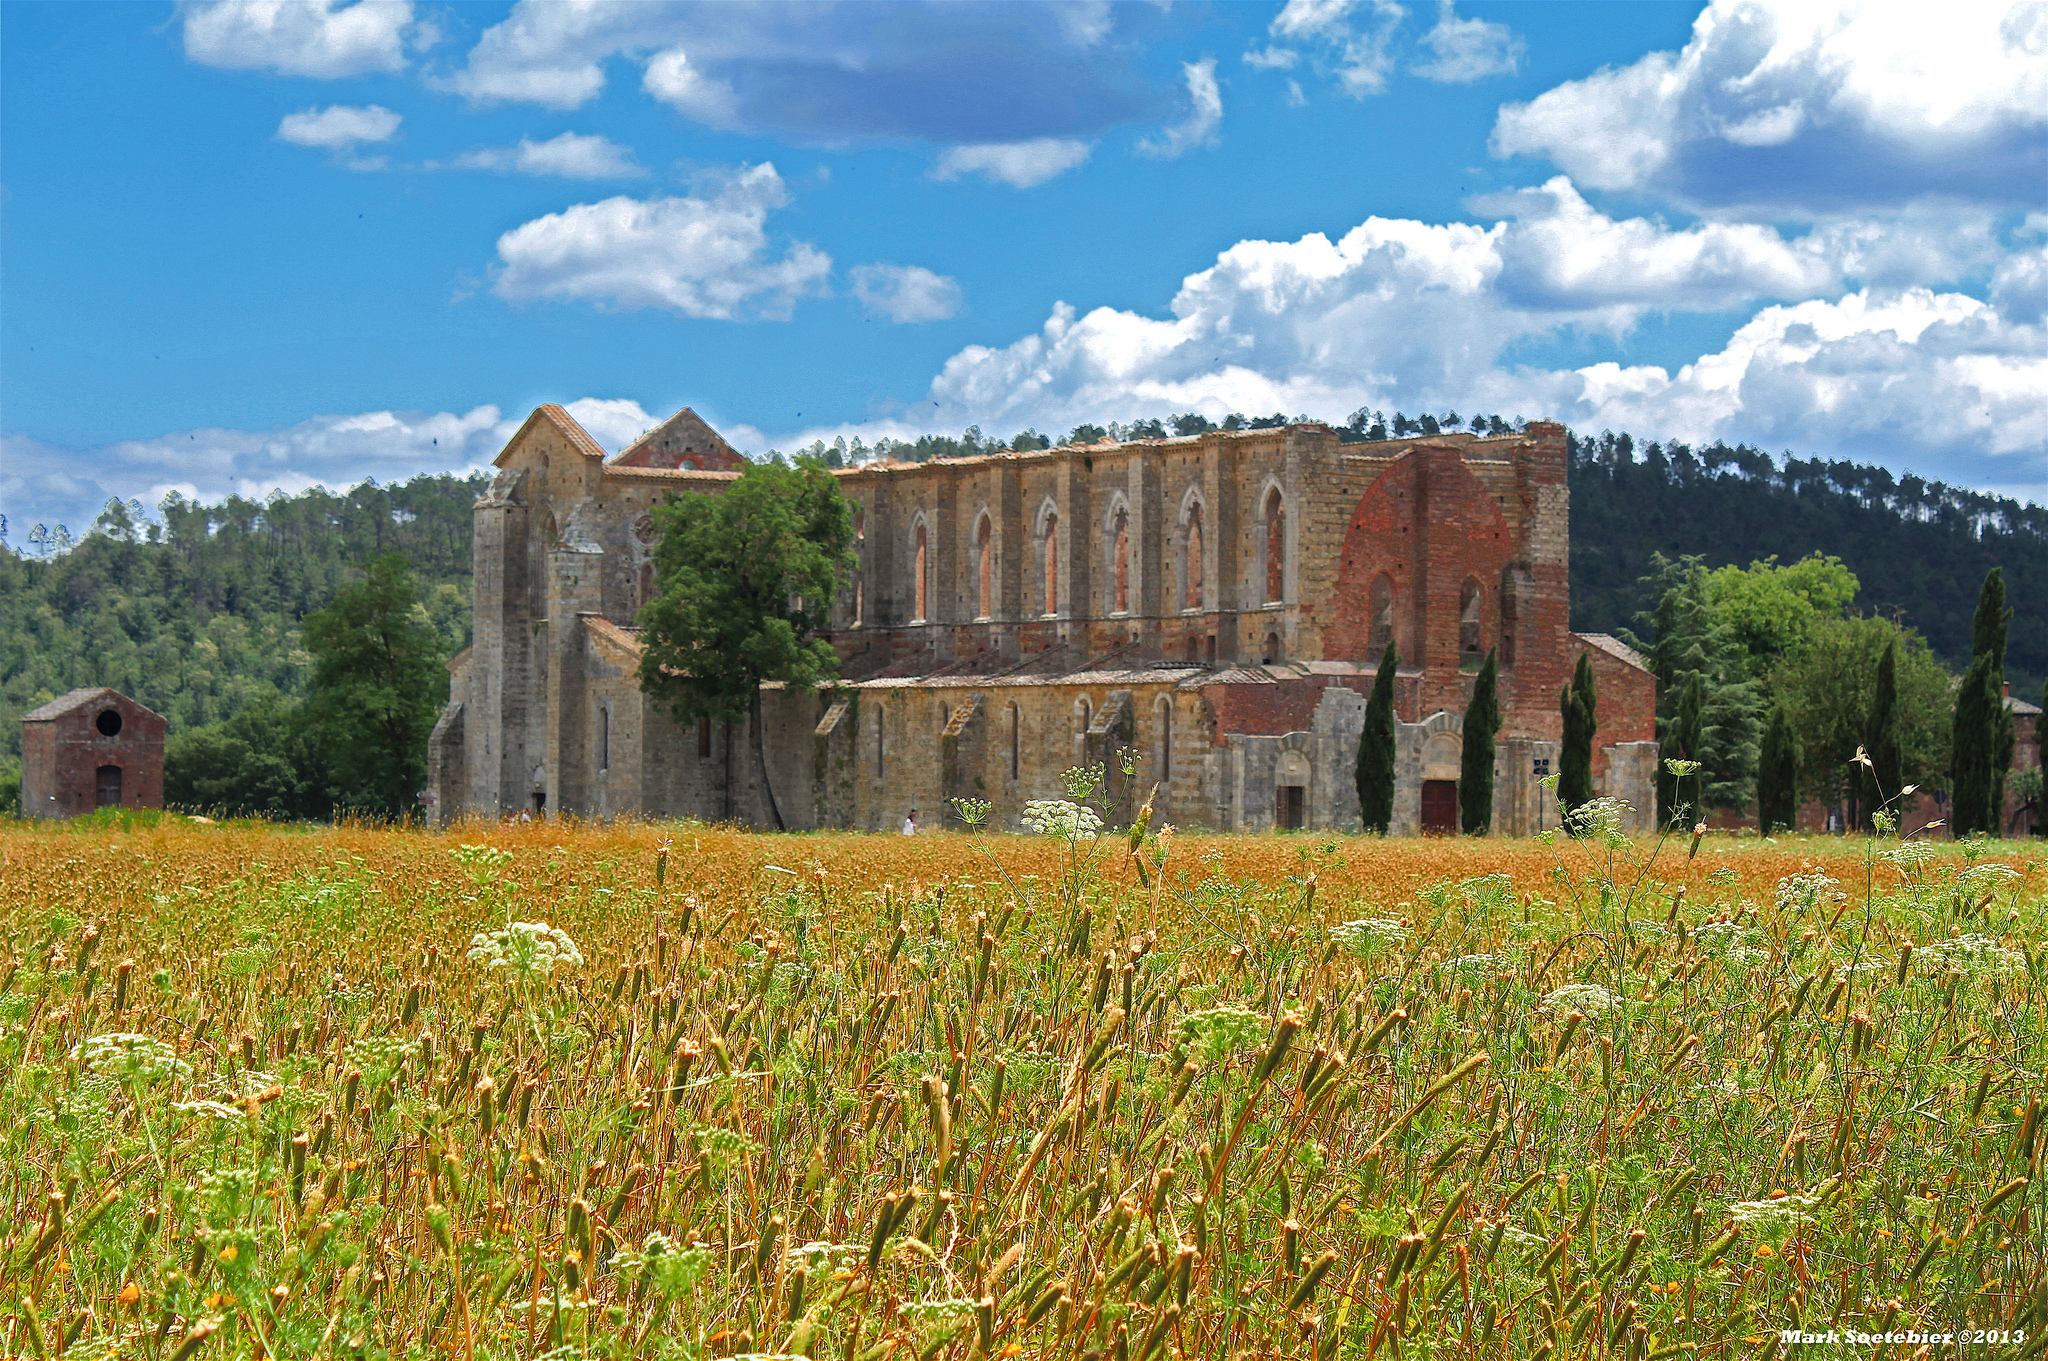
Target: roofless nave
1218, 602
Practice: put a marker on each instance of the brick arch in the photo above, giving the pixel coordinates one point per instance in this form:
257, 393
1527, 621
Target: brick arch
1428, 525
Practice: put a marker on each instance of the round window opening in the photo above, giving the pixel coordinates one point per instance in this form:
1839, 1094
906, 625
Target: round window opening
109, 722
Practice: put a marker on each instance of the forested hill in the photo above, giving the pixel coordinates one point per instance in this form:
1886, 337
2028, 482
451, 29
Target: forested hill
197, 614
1920, 549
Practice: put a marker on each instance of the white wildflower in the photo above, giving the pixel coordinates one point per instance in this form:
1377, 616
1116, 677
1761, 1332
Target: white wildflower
527, 948
1588, 999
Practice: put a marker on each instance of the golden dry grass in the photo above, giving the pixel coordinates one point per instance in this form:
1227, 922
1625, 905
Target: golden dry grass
857, 1096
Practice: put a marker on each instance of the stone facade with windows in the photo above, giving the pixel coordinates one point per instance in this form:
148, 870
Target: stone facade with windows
1216, 603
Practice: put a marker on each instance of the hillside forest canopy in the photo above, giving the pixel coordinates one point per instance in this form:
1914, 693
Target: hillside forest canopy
199, 610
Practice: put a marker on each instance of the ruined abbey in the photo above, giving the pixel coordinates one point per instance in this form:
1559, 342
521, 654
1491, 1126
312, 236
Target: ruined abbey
1215, 605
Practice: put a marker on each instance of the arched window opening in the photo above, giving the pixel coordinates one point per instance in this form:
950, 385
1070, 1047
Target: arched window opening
1382, 616
604, 738
859, 599
1015, 745
1052, 564
1510, 617
1468, 621
703, 739
1164, 765
646, 584
1120, 546
1271, 653
985, 567
1192, 562
1085, 714
1276, 544
917, 566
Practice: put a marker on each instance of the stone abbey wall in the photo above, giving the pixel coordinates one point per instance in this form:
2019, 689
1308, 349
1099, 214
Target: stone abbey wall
1217, 603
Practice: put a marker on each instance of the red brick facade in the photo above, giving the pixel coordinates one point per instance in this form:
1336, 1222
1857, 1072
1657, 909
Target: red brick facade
91, 749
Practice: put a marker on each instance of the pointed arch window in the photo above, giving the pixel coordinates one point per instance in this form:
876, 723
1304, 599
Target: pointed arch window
1191, 563
1120, 549
918, 549
1468, 621
1382, 615
1276, 545
985, 568
1051, 562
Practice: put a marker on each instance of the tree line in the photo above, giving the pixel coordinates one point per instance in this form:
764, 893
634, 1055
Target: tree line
200, 613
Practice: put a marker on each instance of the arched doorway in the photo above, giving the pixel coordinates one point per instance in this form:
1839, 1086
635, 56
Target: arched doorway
1440, 758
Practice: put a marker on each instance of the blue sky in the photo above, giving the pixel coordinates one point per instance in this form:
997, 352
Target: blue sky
261, 244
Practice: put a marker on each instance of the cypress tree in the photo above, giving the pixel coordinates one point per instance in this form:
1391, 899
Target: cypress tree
1982, 736
1575, 760
1376, 749
1475, 769
1777, 779
1974, 737
1685, 739
1881, 736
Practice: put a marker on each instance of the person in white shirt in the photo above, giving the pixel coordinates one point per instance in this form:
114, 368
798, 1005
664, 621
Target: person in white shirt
910, 824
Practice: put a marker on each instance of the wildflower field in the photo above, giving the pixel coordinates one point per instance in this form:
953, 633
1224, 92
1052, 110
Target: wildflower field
676, 1091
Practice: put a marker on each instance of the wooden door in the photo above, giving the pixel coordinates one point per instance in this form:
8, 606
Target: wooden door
107, 787
1293, 807
1439, 807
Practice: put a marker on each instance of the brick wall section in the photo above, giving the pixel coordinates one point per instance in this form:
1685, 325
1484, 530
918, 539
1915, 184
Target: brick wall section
63, 749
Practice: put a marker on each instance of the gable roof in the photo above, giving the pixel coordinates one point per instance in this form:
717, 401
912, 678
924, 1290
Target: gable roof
579, 439
78, 699
1615, 648
685, 435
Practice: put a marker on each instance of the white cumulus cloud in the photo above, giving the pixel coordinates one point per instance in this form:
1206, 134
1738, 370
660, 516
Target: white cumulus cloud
689, 90
705, 256
906, 293
1204, 113
1021, 165
51, 484
571, 156
1820, 106
1469, 49
1399, 313
324, 39
339, 127
1350, 39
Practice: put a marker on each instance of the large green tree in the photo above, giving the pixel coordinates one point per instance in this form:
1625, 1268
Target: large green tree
745, 582
1578, 704
1828, 690
1696, 650
377, 686
1376, 752
267, 761
1475, 767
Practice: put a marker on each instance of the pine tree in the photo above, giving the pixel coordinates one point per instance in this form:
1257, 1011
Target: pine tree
1777, 777
1376, 751
1575, 760
1881, 736
1475, 770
